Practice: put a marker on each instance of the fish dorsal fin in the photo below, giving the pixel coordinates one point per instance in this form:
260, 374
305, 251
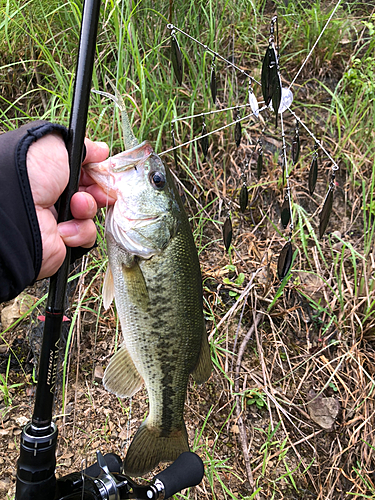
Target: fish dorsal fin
121, 376
203, 369
136, 285
108, 288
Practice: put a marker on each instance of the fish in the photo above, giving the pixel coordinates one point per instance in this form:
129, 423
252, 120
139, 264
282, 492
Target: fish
155, 278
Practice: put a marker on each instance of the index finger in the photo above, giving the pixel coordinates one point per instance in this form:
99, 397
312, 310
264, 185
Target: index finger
95, 151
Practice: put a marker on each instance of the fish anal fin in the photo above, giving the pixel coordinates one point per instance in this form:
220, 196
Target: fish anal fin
150, 446
108, 288
136, 285
203, 369
121, 376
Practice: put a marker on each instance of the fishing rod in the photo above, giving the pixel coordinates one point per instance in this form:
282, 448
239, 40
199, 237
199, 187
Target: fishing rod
36, 464
36, 478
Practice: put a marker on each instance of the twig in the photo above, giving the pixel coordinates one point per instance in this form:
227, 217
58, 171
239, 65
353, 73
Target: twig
236, 305
240, 422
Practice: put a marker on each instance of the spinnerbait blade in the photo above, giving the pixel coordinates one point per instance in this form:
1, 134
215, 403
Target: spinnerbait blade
326, 212
285, 260
253, 103
204, 141
276, 95
313, 174
265, 75
227, 233
238, 133
244, 198
270, 79
176, 58
259, 165
213, 85
285, 212
296, 148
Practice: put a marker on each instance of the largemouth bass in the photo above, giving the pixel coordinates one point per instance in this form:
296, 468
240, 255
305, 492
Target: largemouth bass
155, 277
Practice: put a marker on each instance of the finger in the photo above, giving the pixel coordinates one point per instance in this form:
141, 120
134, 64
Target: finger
48, 169
83, 206
53, 246
78, 233
95, 151
102, 199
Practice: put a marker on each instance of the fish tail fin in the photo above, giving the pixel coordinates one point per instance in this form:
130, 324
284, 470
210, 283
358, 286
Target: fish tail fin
149, 447
202, 371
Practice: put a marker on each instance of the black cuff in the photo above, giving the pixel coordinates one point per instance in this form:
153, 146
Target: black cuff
20, 239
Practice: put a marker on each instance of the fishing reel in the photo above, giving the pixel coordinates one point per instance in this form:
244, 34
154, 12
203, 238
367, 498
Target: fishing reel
104, 481
98, 482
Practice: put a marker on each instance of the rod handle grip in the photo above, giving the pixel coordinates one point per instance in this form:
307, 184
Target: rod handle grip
186, 471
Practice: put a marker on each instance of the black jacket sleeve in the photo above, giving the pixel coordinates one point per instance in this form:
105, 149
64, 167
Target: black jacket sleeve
20, 239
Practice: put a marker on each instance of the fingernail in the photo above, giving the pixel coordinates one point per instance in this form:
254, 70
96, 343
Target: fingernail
91, 203
67, 229
101, 145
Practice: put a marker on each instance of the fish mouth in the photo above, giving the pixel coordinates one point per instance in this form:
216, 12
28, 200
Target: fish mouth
141, 221
142, 218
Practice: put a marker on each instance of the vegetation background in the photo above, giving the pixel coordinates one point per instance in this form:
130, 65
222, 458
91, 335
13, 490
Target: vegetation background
289, 410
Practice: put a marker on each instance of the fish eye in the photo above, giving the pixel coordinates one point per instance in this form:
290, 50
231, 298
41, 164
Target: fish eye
157, 180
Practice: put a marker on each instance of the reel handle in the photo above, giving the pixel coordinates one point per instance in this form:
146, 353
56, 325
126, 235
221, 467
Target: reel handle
113, 461
186, 471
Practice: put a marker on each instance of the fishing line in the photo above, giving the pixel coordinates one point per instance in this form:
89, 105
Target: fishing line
205, 113
315, 44
208, 133
216, 54
334, 164
287, 194
278, 100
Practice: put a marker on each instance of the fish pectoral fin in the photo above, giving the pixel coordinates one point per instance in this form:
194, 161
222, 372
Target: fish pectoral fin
149, 447
202, 371
108, 288
121, 376
136, 285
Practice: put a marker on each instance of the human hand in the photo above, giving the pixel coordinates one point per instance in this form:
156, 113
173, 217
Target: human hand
48, 171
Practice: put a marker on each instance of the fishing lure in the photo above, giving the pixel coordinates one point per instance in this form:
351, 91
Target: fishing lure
270, 75
313, 173
285, 212
237, 130
254, 106
204, 140
277, 100
285, 260
296, 147
176, 57
227, 232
